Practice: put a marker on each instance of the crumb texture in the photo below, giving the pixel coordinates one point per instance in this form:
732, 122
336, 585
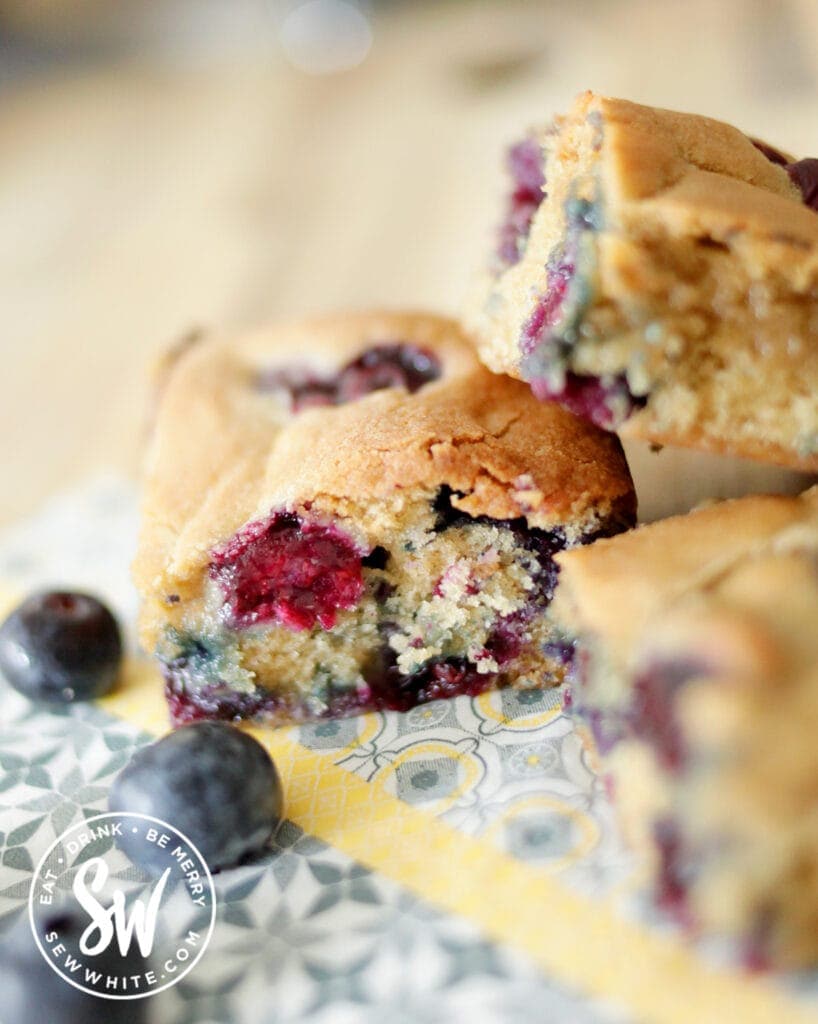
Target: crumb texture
688, 302
368, 525
700, 679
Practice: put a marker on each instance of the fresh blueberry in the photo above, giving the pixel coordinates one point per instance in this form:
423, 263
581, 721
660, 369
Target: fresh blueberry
32, 992
60, 646
215, 784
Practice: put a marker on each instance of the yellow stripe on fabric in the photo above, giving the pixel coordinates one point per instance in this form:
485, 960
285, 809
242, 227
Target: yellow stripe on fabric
577, 941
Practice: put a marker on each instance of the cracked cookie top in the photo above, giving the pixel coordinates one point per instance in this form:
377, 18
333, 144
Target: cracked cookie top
348, 412
679, 558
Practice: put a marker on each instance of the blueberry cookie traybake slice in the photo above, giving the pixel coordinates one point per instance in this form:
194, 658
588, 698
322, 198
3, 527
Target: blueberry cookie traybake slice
353, 514
657, 273
698, 676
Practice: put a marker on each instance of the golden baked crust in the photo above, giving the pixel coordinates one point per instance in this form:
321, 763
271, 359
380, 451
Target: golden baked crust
701, 654
614, 588
696, 287
222, 452
230, 458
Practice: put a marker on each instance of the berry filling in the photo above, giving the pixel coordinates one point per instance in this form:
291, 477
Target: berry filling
391, 690
563, 652
304, 389
548, 310
213, 702
605, 402
525, 165
755, 950
803, 173
455, 609
552, 330
196, 686
386, 689
288, 570
672, 877
507, 639
387, 366
606, 729
391, 365
544, 544
652, 715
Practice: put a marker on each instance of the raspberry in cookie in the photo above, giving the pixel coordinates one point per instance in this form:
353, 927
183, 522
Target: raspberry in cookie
696, 670
353, 514
662, 282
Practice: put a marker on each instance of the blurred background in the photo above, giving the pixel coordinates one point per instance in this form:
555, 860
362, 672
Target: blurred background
166, 164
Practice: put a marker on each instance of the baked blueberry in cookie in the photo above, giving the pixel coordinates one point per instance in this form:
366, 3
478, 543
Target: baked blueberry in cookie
697, 672
381, 366
353, 514
661, 281
525, 168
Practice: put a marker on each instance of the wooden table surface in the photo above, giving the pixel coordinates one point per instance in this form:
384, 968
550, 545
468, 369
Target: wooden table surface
140, 199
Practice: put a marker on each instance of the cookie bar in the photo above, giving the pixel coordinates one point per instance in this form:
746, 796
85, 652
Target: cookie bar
353, 514
657, 273
697, 674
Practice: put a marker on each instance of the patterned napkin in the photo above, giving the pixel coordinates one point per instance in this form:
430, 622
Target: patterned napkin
459, 862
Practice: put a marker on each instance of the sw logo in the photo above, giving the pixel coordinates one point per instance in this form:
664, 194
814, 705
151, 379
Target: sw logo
114, 932
113, 920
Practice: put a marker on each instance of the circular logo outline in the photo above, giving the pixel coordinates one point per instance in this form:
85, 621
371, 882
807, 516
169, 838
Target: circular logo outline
88, 822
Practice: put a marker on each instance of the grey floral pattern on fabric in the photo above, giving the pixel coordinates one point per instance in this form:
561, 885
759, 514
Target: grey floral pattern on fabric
304, 935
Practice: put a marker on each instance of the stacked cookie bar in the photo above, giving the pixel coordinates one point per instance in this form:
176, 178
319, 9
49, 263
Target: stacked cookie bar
661, 281
658, 275
697, 674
